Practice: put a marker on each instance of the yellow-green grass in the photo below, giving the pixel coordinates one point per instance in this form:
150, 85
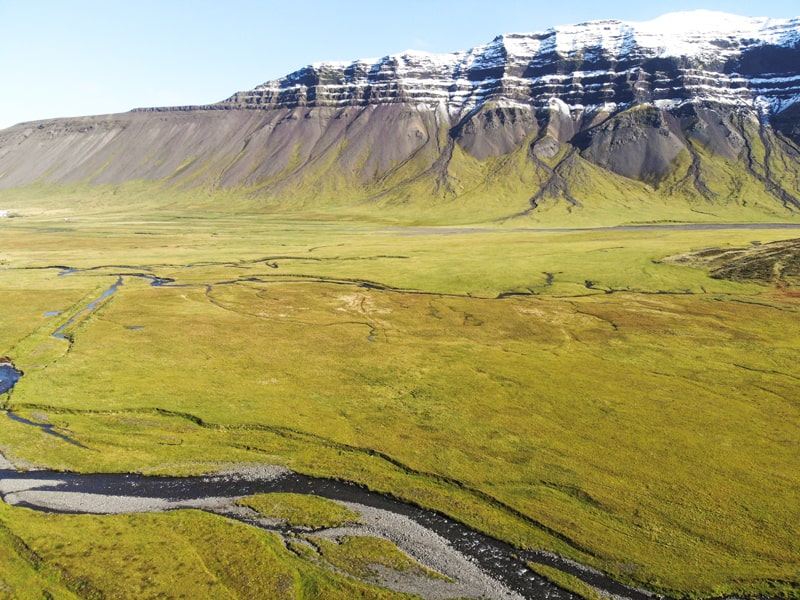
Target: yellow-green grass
184, 554
444, 260
360, 555
31, 301
300, 510
652, 432
22, 574
684, 433
567, 581
496, 191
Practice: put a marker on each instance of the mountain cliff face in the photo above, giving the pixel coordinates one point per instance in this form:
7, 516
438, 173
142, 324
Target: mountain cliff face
700, 106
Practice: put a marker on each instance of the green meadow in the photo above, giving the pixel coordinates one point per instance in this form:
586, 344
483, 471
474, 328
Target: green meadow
564, 389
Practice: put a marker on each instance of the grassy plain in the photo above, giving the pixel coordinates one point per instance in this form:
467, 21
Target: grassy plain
558, 389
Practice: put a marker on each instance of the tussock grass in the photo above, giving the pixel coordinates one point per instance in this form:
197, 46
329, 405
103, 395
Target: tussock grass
23, 574
300, 510
183, 554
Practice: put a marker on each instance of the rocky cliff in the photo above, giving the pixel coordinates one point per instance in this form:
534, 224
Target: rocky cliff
698, 106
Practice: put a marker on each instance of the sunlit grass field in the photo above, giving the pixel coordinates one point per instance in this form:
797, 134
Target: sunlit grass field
183, 554
564, 390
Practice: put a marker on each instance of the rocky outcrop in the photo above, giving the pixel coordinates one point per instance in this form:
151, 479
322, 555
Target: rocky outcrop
776, 263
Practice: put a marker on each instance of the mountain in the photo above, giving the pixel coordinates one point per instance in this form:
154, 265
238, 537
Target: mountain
698, 110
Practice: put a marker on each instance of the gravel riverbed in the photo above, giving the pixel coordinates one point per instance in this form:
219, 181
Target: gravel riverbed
47, 491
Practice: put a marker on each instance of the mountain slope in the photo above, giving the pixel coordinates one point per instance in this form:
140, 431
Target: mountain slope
687, 110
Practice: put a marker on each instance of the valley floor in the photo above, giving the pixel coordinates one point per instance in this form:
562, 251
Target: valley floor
583, 392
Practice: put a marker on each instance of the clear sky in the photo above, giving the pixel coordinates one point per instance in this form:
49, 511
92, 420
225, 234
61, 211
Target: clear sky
62, 58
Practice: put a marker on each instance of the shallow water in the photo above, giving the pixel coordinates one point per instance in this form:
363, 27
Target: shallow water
500, 560
89, 308
8, 377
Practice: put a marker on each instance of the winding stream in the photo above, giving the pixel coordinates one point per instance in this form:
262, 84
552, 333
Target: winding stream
102, 493
114, 493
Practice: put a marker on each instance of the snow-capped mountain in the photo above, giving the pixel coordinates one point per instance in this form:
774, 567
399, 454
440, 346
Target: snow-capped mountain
679, 57
699, 107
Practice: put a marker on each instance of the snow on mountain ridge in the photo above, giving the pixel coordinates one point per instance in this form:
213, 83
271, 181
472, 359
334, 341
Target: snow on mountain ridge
676, 34
587, 64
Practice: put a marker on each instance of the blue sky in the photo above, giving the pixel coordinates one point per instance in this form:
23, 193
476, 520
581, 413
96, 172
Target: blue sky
82, 57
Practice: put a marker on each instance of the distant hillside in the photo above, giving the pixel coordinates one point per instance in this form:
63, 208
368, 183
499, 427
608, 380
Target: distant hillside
696, 113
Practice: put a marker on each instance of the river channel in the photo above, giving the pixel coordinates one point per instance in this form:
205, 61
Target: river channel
118, 493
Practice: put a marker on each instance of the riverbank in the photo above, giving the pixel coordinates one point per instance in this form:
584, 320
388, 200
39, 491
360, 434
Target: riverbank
94, 494
476, 565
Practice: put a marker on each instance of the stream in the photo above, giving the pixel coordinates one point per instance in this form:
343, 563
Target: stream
115, 493
58, 333
103, 493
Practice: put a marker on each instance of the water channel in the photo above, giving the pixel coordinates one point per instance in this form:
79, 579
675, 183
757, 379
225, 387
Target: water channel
58, 333
136, 493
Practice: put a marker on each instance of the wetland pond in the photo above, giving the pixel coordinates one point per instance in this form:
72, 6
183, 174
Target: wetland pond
9, 376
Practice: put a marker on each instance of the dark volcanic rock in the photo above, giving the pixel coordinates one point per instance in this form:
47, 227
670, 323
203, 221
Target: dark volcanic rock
776, 263
495, 130
639, 144
787, 122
